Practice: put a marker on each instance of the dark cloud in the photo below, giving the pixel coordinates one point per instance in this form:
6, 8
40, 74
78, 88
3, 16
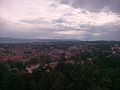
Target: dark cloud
34, 21
107, 32
6, 30
60, 20
94, 5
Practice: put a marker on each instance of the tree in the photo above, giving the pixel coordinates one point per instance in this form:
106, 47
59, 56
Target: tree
3, 71
13, 81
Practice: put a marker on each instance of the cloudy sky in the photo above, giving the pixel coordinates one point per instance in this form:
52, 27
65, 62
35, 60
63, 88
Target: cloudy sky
60, 19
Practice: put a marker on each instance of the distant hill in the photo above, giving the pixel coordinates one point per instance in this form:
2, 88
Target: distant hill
17, 40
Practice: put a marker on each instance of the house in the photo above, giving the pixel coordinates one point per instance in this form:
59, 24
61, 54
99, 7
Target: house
53, 65
31, 67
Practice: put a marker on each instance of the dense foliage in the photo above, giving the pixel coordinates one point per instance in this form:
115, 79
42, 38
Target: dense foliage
91, 76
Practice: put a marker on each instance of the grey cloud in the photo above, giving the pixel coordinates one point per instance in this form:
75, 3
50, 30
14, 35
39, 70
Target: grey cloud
108, 32
60, 20
34, 21
94, 5
7, 30
42, 21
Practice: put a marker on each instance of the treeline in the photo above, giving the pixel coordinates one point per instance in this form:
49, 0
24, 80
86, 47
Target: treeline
98, 75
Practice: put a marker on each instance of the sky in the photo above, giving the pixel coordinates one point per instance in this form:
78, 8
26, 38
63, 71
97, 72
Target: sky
60, 19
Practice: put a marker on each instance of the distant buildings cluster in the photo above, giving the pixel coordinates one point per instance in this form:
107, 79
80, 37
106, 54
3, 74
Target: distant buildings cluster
49, 56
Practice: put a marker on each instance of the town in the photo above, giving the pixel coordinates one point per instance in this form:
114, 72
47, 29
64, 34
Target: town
53, 52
